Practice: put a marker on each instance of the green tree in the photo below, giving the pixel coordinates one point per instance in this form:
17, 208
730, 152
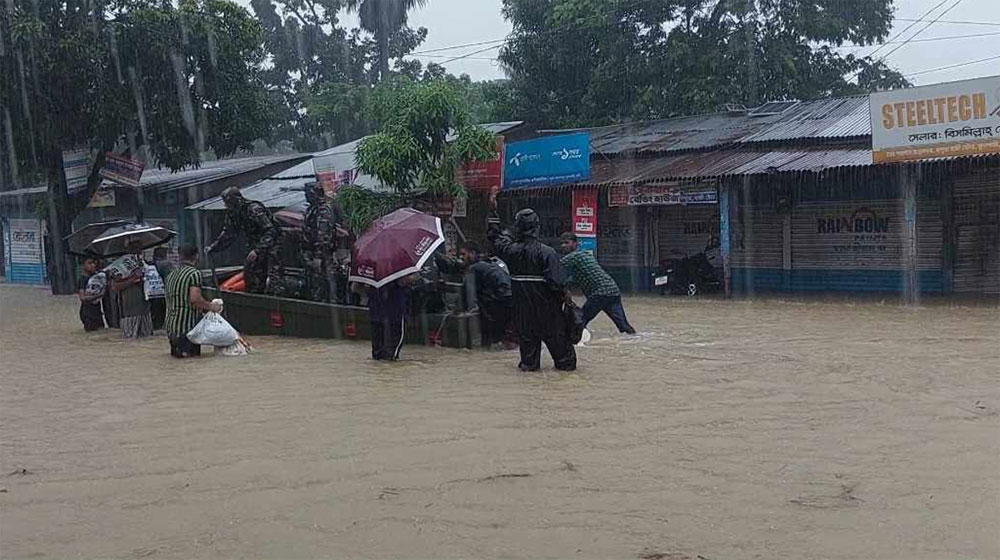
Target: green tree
320, 74
424, 133
588, 62
143, 77
384, 19
307, 48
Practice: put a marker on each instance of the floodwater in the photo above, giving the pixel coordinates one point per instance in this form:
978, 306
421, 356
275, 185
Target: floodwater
728, 430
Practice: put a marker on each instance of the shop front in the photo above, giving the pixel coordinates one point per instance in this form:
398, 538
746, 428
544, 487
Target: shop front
842, 233
976, 210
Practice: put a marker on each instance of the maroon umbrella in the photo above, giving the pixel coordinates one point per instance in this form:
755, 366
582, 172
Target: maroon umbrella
395, 246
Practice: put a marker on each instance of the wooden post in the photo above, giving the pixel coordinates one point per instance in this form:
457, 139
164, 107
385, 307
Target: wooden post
786, 250
725, 239
908, 177
950, 238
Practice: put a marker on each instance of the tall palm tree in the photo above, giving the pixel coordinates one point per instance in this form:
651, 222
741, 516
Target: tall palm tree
383, 18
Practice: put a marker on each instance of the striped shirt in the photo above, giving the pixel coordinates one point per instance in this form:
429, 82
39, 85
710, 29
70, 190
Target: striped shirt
181, 315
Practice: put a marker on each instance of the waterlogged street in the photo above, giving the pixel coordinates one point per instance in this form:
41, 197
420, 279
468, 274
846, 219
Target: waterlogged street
727, 430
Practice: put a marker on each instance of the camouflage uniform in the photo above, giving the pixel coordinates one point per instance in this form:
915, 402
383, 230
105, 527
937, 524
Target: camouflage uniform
263, 234
319, 242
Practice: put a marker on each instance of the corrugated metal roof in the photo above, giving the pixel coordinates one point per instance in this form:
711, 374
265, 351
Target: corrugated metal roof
723, 163
287, 189
163, 180
825, 119
843, 117
677, 134
284, 189
501, 127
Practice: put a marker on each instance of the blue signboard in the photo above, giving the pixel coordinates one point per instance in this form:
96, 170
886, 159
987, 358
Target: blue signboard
588, 244
549, 160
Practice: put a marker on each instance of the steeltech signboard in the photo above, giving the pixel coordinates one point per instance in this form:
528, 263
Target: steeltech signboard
940, 120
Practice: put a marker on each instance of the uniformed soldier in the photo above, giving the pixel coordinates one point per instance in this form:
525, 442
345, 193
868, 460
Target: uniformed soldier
319, 243
262, 268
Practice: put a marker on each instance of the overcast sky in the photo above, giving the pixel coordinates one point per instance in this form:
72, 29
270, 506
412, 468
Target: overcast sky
457, 22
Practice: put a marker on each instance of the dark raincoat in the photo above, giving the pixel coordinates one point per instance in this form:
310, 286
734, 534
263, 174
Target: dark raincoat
538, 285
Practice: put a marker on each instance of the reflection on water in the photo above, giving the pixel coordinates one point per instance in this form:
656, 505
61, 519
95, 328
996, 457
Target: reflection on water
721, 429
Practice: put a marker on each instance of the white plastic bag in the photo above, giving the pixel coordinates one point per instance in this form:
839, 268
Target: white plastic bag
213, 330
97, 286
153, 284
123, 266
239, 348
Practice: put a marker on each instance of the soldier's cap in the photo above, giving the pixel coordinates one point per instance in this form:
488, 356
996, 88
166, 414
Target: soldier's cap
231, 193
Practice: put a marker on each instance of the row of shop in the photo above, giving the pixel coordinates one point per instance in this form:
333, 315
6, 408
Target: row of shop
928, 228
784, 198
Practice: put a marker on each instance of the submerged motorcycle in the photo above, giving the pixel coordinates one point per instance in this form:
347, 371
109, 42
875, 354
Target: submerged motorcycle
691, 274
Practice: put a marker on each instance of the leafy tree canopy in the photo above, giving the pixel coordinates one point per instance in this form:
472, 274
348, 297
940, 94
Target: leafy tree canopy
424, 132
165, 81
576, 62
319, 74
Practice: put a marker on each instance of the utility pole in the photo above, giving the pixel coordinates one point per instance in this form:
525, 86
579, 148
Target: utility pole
750, 33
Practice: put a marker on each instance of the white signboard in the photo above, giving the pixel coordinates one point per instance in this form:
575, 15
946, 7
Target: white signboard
25, 262
941, 120
76, 166
645, 195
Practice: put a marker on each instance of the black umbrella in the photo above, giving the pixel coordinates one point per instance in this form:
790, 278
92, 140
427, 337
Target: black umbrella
130, 238
77, 242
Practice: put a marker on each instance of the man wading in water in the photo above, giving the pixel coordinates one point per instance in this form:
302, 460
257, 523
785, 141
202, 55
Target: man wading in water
91, 314
538, 284
185, 304
600, 288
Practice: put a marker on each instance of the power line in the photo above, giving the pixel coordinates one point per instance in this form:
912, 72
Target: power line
453, 47
922, 29
908, 27
949, 21
929, 40
950, 66
433, 56
467, 55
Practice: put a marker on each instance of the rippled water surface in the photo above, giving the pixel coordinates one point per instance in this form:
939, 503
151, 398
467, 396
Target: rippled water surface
726, 430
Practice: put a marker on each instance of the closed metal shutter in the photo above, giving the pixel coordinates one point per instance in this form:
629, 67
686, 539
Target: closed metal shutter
757, 238
621, 245
686, 230
858, 245
619, 237
977, 227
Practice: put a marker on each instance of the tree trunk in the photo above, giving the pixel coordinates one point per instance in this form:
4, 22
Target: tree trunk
383, 53
62, 210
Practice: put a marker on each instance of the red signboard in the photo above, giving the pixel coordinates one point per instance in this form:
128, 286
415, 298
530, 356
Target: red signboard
485, 176
585, 212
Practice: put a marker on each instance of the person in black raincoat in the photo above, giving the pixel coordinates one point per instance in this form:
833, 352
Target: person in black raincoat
319, 242
538, 284
262, 268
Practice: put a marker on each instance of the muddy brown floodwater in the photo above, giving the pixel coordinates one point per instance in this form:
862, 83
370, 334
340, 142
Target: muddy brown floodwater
728, 430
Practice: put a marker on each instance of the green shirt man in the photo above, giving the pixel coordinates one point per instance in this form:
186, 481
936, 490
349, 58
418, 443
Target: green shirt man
600, 288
